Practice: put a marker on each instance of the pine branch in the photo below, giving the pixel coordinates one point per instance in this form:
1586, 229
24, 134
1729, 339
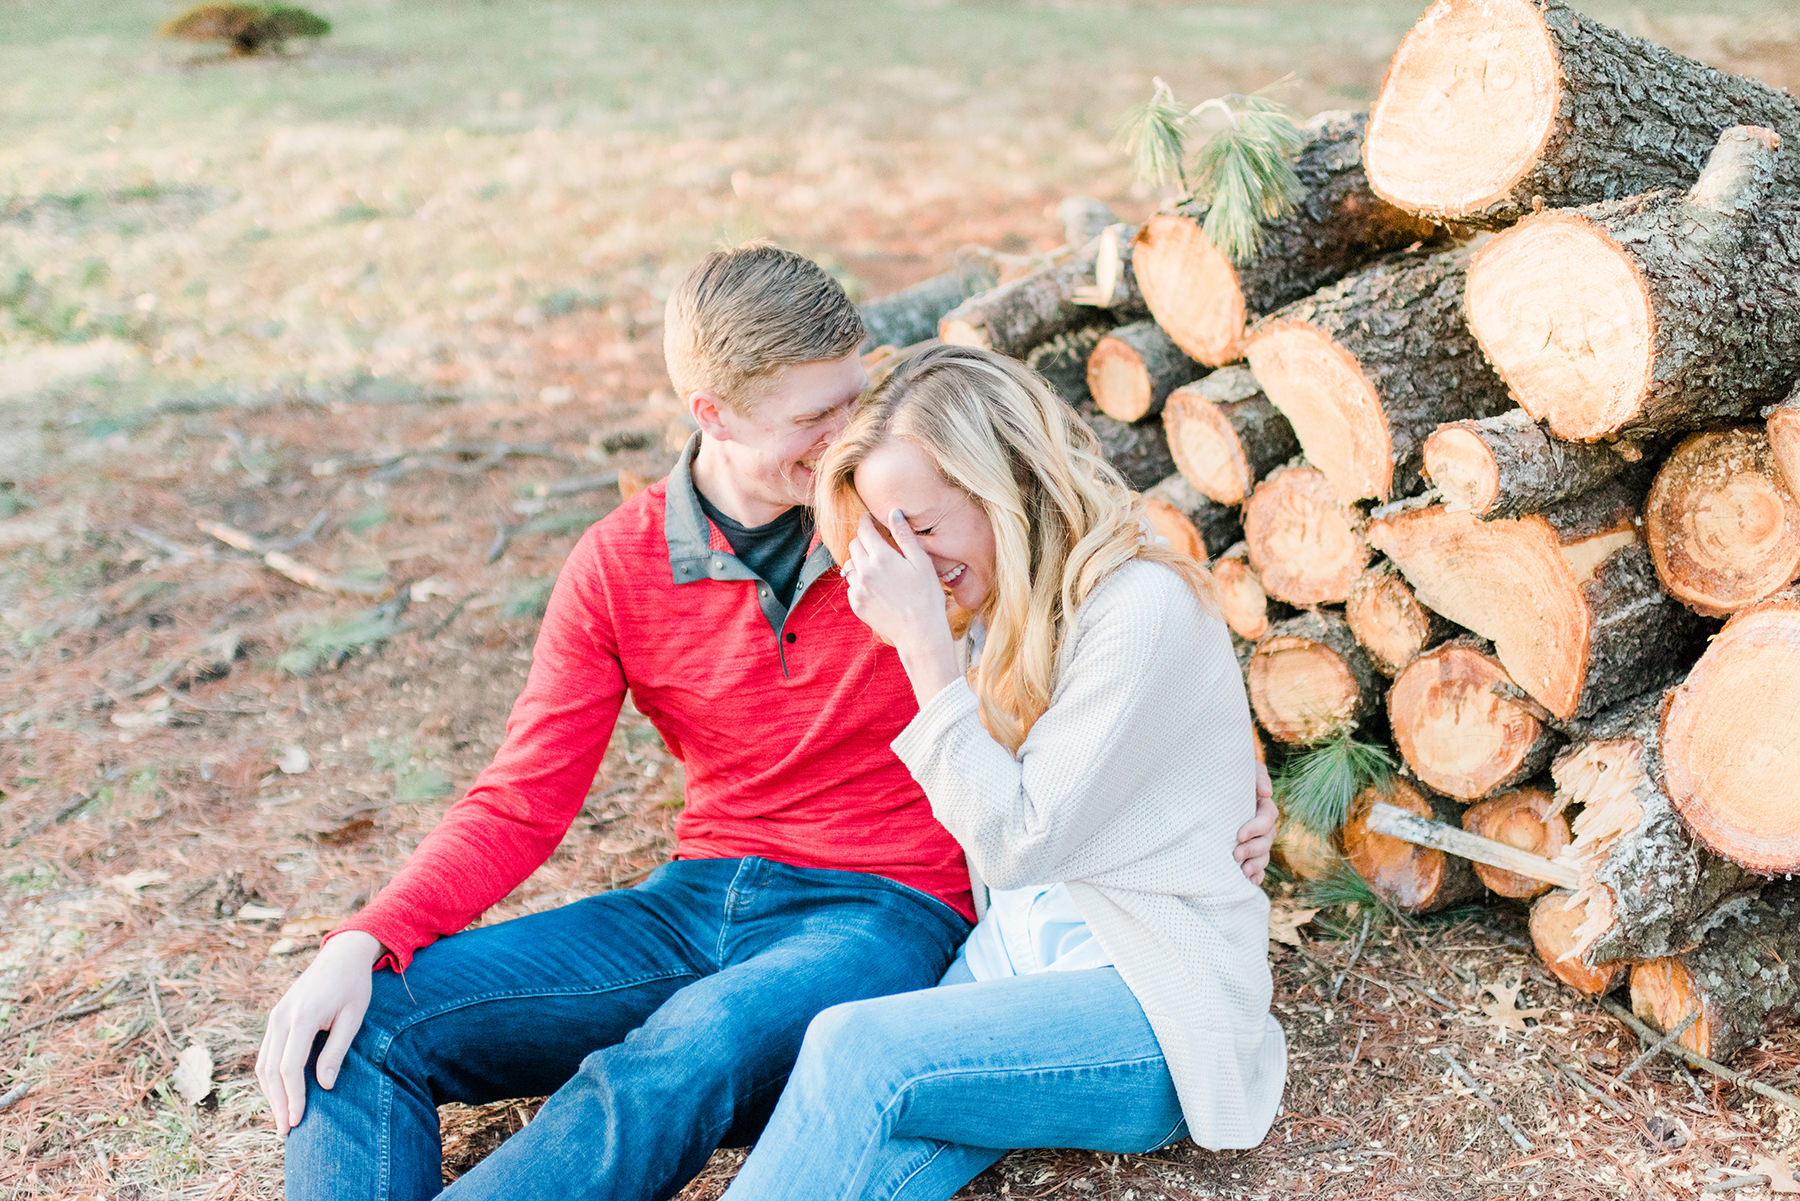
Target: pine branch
1315, 787
1244, 173
1154, 134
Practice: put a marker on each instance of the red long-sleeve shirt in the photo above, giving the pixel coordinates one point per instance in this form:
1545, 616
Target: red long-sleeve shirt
782, 720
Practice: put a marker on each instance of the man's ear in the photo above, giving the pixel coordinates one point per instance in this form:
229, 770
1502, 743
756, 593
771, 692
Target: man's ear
709, 414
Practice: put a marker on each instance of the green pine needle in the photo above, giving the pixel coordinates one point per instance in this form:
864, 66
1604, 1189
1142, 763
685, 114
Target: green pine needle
323, 646
1315, 787
1154, 135
1340, 890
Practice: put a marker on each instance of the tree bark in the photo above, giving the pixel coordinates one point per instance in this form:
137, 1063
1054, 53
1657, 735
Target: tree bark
1310, 680
1367, 368
1723, 529
1246, 608
1730, 752
1658, 313
1213, 527
1568, 596
1134, 368
1552, 928
911, 314
1493, 108
1648, 888
1458, 726
1784, 437
1083, 217
1032, 309
1139, 452
1388, 619
1225, 435
1206, 301
1508, 465
1307, 548
1411, 878
1744, 975
1526, 819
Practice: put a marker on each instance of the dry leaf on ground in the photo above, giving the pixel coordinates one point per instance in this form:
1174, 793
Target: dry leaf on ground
1285, 923
1781, 1177
193, 1074
131, 883
1503, 1010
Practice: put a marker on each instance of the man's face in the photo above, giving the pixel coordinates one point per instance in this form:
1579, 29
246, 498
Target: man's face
773, 450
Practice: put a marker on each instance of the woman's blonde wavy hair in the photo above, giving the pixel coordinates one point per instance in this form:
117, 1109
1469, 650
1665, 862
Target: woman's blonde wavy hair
1063, 518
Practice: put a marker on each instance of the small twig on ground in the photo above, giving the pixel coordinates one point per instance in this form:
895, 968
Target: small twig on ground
576, 485
503, 532
443, 623
156, 541
76, 804
304, 536
1587, 1086
1648, 1035
156, 1008
101, 1000
1473, 1085
285, 564
1338, 1144
1734, 1182
1662, 1044
1355, 952
16, 1094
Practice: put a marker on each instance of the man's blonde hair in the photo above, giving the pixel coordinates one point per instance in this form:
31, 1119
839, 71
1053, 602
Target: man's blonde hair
746, 313
1063, 518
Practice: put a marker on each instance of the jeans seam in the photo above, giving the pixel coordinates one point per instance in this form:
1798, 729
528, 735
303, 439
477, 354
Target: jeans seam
390, 1033
889, 1106
936, 1152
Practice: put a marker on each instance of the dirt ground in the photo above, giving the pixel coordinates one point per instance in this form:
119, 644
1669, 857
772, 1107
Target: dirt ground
370, 304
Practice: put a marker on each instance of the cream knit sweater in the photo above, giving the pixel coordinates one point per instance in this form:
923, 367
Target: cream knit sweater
1130, 789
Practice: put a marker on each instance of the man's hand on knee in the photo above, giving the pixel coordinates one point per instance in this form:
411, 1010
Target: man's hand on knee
331, 994
1256, 837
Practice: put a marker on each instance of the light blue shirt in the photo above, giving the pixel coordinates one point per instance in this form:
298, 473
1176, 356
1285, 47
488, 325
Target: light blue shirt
1031, 930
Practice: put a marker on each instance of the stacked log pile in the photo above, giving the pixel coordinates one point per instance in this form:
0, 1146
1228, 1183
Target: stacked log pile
1493, 447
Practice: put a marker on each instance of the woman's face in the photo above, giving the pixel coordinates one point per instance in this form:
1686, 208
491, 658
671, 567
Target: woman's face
949, 525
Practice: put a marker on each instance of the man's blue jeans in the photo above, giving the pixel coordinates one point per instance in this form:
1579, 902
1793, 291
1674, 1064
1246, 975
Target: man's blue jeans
907, 1098
661, 1019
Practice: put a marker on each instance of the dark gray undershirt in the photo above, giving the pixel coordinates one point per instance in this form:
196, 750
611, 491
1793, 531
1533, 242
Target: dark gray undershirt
775, 551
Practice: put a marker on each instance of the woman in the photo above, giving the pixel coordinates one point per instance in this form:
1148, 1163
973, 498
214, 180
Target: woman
1095, 761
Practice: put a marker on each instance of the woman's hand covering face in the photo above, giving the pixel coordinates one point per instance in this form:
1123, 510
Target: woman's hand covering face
896, 592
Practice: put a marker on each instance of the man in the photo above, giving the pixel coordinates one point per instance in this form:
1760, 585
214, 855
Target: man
808, 870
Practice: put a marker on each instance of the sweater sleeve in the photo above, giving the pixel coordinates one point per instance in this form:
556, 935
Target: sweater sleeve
523, 803
1021, 817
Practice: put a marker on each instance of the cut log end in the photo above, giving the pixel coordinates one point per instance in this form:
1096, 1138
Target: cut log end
1663, 995
1784, 440
1304, 545
957, 332
1306, 855
1119, 380
1191, 286
1463, 468
1466, 75
1577, 358
1206, 448
1729, 750
1723, 529
1240, 596
1458, 730
1525, 819
1412, 878
1388, 619
1173, 525
1553, 925
1332, 406
1309, 680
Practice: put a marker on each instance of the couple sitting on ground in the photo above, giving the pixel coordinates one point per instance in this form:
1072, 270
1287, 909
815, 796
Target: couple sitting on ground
979, 692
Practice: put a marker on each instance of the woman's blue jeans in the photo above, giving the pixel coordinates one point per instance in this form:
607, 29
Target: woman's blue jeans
661, 1019
908, 1098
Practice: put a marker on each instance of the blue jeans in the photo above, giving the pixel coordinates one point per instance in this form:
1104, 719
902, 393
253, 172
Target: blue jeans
908, 1098
662, 1019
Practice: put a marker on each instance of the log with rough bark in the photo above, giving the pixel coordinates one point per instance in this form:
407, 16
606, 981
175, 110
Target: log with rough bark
1553, 925
1206, 301
1568, 596
1134, 368
1225, 435
1388, 619
1246, 608
1310, 680
1492, 108
1784, 438
1115, 283
1731, 738
1741, 978
1657, 313
1367, 368
911, 314
1527, 819
1457, 723
1410, 877
1140, 452
1032, 309
1648, 887
1307, 547
1176, 505
1723, 529
1508, 465
1083, 217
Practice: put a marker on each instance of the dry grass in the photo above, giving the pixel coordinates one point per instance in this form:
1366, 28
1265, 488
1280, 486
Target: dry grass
226, 286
